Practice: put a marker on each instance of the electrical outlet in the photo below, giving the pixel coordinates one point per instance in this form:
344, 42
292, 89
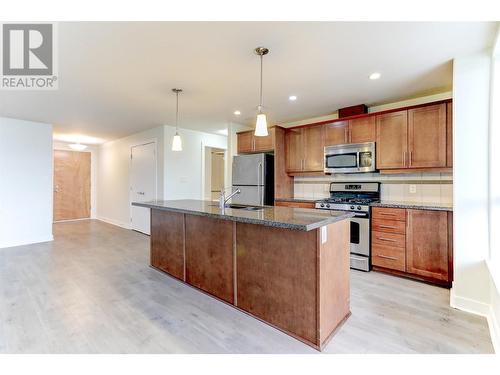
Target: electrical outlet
413, 189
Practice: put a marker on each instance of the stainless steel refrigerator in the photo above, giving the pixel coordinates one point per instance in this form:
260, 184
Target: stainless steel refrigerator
254, 175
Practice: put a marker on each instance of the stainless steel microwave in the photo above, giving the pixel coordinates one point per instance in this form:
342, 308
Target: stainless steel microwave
350, 158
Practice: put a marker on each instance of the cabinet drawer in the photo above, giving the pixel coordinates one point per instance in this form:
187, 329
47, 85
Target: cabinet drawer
389, 226
389, 213
389, 257
388, 239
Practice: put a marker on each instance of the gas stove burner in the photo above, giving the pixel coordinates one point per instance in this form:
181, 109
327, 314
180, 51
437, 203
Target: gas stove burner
351, 197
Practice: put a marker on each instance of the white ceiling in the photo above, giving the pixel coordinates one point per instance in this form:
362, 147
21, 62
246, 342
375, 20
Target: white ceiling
115, 78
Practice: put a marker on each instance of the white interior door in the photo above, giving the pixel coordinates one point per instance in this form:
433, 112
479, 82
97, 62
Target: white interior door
142, 184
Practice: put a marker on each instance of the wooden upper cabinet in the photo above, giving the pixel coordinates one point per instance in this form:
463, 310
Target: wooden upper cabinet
248, 142
391, 135
449, 134
336, 133
314, 144
245, 142
362, 130
428, 251
294, 150
264, 143
427, 137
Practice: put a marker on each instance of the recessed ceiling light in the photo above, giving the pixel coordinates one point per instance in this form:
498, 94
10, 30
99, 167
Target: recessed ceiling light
292, 98
375, 75
77, 146
237, 113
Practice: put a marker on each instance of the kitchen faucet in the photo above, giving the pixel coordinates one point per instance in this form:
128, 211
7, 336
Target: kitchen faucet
223, 199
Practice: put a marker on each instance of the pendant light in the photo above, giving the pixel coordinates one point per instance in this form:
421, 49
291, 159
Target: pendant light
176, 141
261, 123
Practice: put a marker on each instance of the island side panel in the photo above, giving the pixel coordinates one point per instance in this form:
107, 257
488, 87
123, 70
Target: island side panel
209, 256
167, 242
277, 277
334, 285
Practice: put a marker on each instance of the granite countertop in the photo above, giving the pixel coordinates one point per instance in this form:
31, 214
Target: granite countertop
414, 205
304, 219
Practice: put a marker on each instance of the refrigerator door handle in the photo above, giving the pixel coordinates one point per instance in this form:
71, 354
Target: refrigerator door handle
259, 171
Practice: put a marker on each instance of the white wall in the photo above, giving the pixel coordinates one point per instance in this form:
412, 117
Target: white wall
183, 169
26, 194
471, 90
113, 184
94, 151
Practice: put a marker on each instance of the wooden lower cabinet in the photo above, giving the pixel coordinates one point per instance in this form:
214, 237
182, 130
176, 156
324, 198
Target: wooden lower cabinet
295, 204
167, 246
209, 256
287, 278
413, 243
281, 290
296, 281
427, 247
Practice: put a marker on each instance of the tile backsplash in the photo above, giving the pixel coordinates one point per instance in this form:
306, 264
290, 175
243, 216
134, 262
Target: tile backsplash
421, 187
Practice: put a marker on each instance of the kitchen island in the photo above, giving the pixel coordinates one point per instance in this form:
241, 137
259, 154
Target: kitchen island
288, 267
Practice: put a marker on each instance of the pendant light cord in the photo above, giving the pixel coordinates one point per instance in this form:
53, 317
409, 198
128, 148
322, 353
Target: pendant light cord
177, 112
261, 73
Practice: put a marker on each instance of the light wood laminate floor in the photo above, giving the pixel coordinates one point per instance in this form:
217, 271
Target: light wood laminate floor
92, 291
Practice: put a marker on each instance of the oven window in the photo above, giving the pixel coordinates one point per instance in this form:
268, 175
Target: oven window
341, 161
354, 232
365, 159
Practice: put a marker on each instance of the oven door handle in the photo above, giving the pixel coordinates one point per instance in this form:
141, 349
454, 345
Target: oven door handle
361, 215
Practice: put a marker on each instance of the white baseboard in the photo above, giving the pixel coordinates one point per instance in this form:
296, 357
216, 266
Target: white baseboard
113, 222
494, 329
482, 309
30, 241
469, 305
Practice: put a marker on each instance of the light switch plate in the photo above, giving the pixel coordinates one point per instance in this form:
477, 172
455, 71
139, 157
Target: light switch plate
413, 189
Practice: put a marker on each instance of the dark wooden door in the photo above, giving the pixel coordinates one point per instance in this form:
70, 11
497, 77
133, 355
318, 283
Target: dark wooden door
167, 242
427, 136
314, 144
336, 133
427, 244
294, 150
391, 147
362, 130
209, 256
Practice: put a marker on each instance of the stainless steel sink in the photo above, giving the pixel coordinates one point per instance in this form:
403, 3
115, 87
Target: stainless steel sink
241, 207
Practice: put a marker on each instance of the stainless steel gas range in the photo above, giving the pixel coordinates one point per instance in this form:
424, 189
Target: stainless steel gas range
355, 197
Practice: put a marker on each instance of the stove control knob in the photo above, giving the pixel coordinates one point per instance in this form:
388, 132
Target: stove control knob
359, 207
322, 205
352, 207
328, 205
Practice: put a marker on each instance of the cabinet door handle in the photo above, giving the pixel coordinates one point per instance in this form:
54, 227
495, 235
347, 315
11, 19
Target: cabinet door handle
387, 214
386, 239
387, 257
404, 158
387, 226
410, 158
